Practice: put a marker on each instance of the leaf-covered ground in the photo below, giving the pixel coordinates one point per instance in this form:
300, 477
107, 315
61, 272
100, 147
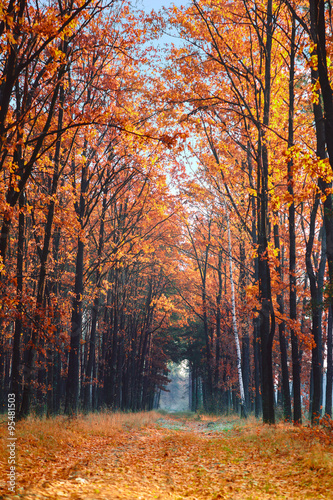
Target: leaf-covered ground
169, 457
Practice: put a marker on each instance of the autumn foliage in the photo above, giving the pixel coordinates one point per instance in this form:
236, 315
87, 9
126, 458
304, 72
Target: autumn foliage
165, 204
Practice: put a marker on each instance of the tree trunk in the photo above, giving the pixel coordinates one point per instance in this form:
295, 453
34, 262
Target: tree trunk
256, 320
316, 283
329, 372
245, 331
267, 317
43, 255
318, 34
292, 241
234, 319
286, 401
73, 383
94, 315
203, 275
16, 359
217, 374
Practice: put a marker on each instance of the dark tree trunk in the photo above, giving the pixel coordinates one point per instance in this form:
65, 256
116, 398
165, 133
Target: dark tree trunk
245, 332
73, 382
111, 358
316, 285
217, 374
292, 241
50, 381
257, 368
43, 255
72, 387
203, 268
256, 320
286, 401
267, 318
16, 359
54, 350
318, 34
316, 282
94, 316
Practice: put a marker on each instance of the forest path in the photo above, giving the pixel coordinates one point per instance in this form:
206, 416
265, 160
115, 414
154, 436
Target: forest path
179, 458
200, 424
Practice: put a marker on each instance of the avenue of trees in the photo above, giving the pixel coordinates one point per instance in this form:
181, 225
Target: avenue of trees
166, 203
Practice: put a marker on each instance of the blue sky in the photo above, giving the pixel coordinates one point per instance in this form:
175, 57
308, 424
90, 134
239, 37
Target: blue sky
157, 4
149, 5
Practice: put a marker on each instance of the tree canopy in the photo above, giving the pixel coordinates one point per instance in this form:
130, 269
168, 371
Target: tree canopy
166, 202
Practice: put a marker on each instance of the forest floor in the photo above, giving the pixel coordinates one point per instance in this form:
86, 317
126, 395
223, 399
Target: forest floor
172, 456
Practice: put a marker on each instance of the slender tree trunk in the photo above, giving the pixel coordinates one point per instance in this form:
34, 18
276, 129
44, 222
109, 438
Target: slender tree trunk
72, 387
267, 317
50, 381
16, 359
282, 337
245, 330
94, 315
209, 392
217, 375
256, 320
234, 319
316, 284
203, 275
292, 241
73, 382
54, 406
329, 372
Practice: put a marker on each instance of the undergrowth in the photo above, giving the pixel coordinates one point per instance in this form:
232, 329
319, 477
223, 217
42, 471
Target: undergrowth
53, 434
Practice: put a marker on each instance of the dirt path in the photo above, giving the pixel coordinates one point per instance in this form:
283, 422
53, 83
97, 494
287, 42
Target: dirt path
177, 459
200, 426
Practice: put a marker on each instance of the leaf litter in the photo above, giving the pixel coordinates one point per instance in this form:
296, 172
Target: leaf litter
172, 457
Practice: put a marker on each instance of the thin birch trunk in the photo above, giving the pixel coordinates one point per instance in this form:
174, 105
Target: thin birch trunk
234, 319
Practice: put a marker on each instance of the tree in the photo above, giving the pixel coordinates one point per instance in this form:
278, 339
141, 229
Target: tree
33, 65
